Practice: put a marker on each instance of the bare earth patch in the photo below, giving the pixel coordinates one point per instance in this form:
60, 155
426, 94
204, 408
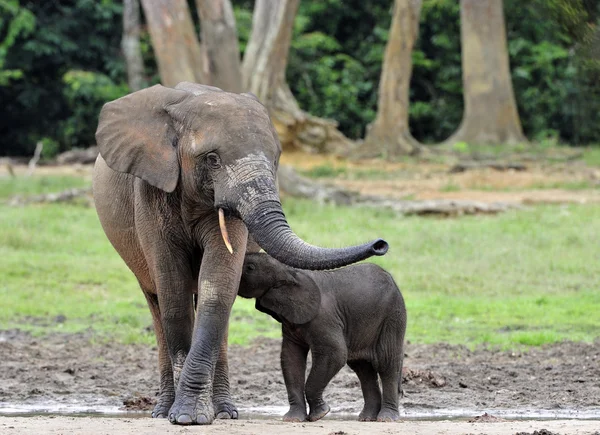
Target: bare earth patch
68, 373
540, 182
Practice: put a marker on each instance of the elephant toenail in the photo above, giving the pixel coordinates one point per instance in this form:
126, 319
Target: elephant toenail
184, 419
202, 419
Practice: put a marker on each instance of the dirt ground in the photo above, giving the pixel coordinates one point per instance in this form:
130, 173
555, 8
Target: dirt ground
449, 384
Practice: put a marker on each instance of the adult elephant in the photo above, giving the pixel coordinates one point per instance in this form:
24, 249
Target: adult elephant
175, 166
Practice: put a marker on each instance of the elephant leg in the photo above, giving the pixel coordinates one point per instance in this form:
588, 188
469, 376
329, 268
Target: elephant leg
389, 383
218, 285
293, 366
167, 386
327, 361
222, 402
370, 388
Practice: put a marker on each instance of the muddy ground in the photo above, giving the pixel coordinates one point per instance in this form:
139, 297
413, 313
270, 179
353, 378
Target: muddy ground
70, 373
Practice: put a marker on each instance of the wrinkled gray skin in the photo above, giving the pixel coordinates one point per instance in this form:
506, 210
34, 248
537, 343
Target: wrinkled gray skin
169, 159
355, 314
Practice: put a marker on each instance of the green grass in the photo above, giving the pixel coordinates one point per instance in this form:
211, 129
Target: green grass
38, 185
524, 277
591, 156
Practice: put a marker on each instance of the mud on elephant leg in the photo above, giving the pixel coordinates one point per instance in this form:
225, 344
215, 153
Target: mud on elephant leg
369, 385
222, 401
165, 368
216, 294
389, 407
326, 363
293, 366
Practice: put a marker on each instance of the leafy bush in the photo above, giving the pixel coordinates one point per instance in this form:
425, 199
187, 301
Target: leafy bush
85, 93
39, 102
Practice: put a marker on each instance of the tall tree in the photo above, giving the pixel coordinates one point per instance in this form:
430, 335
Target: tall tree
176, 47
220, 43
389, 135
130, 44
265, 59
263, 71
490, 114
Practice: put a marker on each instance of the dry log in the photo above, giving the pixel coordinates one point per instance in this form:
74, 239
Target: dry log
441, 207
293, 184
498, 166
82, 196
82, 156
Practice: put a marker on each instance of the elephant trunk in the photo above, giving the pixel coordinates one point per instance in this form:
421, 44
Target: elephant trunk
258, 205
272, 232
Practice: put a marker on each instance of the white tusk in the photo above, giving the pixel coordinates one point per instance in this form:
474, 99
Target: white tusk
223, 228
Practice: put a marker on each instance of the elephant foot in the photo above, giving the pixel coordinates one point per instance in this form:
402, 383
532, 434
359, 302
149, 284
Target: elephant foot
161, 409
295, 415
368, 415
388, 415
318, 412
225, 410
186, 410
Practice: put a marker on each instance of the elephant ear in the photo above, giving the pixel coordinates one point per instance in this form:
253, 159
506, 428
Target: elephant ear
297, 301
135, 135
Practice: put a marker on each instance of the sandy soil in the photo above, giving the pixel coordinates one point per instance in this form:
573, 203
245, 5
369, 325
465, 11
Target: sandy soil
67, 373
128, 426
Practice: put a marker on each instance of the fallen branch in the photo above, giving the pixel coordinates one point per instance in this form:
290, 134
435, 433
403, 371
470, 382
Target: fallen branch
84, 156
36, 157
498, 166
441, 207
293, 184
78, 196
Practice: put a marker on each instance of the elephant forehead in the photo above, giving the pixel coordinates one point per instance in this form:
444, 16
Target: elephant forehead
227, 105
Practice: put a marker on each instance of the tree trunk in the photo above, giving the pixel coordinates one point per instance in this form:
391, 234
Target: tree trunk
490, 114
130, 44
263, 72
174, 40
389, 135
220, 43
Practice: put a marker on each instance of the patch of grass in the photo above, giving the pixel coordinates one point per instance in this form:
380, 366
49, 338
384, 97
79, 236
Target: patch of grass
591, 156
523, 277
450, 187
567, 185
350, 173
324, 171
38, 184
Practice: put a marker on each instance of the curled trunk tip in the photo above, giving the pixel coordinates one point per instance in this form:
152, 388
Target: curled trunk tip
379, 247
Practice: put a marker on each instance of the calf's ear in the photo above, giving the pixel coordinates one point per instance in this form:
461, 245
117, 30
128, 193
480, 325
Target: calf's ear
297, 301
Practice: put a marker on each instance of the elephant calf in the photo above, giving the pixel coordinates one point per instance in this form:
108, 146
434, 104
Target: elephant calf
355, 314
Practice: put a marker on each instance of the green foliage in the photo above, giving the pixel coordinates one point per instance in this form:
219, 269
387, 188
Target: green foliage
85, 93
38, 103
21, 23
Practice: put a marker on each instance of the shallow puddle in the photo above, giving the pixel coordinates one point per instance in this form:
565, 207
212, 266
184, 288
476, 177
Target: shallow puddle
269, 412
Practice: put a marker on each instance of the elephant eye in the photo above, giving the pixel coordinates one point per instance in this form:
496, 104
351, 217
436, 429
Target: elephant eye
250, 267
213, 160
